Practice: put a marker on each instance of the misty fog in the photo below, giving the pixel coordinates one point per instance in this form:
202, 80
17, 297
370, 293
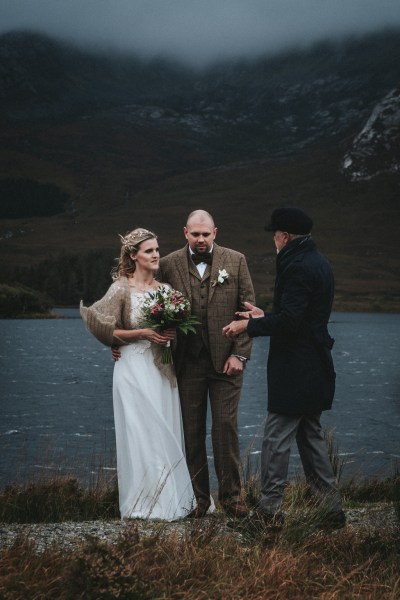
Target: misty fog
198, 32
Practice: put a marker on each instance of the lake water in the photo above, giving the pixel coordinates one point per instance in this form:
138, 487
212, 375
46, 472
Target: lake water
56, 408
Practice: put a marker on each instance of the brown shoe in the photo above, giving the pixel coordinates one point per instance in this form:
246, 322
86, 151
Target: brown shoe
237, 510
198, 513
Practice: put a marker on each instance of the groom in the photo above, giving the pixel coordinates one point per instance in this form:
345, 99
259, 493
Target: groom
217, 282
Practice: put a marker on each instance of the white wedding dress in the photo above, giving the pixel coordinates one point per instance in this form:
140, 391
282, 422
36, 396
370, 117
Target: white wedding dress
153, 477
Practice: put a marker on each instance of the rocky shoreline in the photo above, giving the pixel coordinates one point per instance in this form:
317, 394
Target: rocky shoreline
71, 535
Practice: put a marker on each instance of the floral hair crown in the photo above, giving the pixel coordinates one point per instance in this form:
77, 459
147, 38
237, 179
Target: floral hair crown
132, 239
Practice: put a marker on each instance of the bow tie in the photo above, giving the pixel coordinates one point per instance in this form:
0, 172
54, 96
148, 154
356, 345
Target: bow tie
202, 258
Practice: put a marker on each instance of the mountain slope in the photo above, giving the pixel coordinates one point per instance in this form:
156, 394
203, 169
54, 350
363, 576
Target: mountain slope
270, 106
142, 144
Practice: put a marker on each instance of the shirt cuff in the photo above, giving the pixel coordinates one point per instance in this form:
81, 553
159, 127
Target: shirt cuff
241, 358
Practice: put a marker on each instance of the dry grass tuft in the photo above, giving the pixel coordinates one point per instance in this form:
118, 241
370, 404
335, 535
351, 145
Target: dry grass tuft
59, 499
202, 559
206, 562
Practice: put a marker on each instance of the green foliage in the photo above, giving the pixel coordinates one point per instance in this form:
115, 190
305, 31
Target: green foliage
167, 308
67, 278
386, 490
18, 301
61, 499
24, 198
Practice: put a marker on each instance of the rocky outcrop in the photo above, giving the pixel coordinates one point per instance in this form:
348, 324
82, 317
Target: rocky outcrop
273, 106
376, 149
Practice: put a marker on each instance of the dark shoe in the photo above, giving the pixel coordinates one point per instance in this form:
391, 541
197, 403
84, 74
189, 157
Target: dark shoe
237, 510
336, 519
260, 522
198, 513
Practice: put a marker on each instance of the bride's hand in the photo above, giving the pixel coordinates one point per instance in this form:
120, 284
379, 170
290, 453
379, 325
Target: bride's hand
155, 336
170, 333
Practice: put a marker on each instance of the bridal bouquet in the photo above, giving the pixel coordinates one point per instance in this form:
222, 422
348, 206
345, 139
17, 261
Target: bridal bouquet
165, 309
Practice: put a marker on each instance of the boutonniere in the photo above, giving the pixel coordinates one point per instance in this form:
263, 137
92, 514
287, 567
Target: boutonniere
222, 277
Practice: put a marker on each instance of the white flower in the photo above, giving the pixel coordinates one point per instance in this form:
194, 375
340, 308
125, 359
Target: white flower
222, 277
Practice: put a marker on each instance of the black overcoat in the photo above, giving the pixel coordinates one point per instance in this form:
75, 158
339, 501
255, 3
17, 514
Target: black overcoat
301, 377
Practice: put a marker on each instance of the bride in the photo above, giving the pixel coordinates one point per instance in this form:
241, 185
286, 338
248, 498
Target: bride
153, 478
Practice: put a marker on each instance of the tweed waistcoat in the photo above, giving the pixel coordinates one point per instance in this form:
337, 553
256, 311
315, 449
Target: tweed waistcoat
199, 289
222, 302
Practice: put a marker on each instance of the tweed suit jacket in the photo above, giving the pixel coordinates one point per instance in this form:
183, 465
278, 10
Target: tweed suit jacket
223, 299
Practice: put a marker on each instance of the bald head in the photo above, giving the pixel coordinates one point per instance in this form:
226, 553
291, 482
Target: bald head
200, 231
200, 216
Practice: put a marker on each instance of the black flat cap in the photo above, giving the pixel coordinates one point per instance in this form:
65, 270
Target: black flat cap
292, 220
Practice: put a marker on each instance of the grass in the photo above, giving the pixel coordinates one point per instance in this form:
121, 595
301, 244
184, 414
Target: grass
56, 500
202, 559
205, 562
65, 499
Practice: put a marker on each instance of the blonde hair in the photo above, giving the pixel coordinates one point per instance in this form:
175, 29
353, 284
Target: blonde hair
130, 244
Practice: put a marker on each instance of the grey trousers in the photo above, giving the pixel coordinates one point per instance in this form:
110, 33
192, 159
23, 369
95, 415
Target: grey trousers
280, 431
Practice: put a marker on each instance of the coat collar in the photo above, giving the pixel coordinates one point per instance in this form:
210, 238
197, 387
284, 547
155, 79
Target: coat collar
295, 249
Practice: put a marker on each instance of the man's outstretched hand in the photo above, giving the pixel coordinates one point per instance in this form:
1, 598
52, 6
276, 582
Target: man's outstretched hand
252, 312
235, 328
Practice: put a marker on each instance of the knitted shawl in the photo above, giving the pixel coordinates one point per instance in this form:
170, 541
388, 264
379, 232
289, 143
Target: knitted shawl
113, 311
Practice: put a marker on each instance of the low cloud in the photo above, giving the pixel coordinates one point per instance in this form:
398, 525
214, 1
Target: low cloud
199, 31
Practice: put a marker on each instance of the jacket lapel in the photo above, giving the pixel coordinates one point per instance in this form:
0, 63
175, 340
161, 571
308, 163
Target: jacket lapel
183, 267
217, 264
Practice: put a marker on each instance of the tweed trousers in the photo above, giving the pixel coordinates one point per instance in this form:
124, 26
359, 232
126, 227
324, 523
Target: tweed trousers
198, 381
280, 431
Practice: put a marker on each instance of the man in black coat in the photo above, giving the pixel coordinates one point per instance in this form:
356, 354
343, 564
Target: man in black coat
301, 376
